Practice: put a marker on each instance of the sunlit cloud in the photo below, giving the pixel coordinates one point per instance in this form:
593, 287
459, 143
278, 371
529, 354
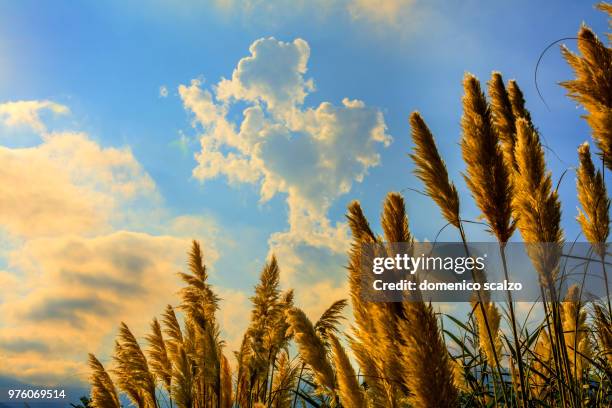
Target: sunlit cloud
73, 291
27, 113
66, 184
72, 272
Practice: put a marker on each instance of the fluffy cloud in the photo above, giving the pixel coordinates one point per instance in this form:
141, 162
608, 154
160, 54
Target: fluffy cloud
67, 184
27, 113
273, 74
310, 155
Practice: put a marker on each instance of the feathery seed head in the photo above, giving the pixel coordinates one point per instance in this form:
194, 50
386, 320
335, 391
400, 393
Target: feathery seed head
537, 205
311, 348
487, 176
103, 392
594, 219
503, 118
592, 87
349, 391
431, 170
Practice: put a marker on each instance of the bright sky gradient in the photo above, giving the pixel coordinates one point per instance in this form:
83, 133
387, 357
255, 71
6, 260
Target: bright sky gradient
128, 128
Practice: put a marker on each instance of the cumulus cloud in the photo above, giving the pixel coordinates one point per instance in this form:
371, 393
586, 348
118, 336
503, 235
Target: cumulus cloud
311, 155
27, 113
67, 184
273, 74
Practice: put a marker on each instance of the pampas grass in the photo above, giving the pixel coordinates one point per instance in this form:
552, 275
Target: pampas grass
489, 180
503, 118
488, 320
284, 381
132, 370
312, 349
103, 392
537, 205
226, 383
594, 218
575, 330
517, 101
398, 354
592, 86
603, 334
160, 363
182, 380
349, 391
486, 174
431, 170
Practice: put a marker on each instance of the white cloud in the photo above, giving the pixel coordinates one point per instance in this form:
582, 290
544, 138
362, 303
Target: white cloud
27, 113
273, 74
310, 155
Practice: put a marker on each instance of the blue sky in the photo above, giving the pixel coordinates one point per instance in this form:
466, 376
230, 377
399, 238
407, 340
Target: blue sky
106, 62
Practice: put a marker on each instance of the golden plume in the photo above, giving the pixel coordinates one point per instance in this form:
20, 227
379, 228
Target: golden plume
537, 205
594, 219
592, 87
103, 392
603, 332
349, 391
226, 383
503, 118
160, 363
431, 170
312, 349
487, 176
575, 331
182, 380
132, 370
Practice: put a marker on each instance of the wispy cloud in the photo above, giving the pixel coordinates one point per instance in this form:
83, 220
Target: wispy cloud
375, 11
